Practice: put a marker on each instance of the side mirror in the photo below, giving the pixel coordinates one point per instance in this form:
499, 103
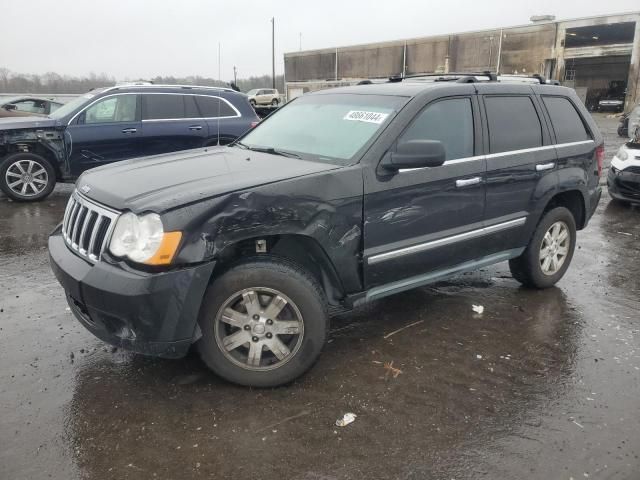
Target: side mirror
416, 154
10, 106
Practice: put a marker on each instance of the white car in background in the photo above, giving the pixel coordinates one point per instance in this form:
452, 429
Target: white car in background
264, 96
623, 179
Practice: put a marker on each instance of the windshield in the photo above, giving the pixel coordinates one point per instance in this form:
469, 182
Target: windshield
71, 106
328, 127
252, 92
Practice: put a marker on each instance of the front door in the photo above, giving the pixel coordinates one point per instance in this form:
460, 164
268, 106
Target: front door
423, 220
107, 131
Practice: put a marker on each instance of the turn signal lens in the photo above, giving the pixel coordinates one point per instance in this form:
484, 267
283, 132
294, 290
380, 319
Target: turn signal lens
167, 249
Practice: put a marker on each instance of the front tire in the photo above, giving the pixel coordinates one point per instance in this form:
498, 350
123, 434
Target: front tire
253, 103
264, 323
26, 177
549, 253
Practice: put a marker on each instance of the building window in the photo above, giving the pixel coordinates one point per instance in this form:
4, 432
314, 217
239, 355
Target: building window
569, 75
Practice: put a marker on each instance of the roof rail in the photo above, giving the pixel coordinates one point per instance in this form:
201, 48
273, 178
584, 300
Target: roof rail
116, 87
490, 75
536, 76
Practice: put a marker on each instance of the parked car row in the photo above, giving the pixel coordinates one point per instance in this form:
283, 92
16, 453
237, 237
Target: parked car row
341, 197
113, 124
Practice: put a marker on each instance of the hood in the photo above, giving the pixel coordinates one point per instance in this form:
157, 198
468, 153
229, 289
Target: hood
163, 182
16, 123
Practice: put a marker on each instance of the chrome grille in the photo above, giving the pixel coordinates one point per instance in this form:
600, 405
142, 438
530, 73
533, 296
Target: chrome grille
86, 226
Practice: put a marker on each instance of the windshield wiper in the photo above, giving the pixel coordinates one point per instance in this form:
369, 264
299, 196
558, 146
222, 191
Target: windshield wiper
272, 151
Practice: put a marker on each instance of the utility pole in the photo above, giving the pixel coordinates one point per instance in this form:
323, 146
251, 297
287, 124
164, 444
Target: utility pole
300, 41
273, 51
219, 69
235, 75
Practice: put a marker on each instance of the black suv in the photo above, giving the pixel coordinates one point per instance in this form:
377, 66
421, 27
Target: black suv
112, 124
341, 197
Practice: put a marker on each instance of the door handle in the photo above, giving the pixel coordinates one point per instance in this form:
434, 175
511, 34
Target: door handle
129, 130
545, 166
195, 127
467, 181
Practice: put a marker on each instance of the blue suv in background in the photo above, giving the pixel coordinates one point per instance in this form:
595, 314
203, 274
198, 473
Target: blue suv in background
115, 123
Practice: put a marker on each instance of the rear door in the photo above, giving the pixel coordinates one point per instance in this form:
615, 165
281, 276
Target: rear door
427, 219
106, 131
521, 164
171, 122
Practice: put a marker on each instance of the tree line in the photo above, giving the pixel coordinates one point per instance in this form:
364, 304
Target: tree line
51, 82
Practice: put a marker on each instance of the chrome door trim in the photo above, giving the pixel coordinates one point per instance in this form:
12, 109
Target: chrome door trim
421, 247
502, 154
237, 115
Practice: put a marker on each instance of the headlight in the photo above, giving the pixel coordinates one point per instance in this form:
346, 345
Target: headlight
622, 154
142, 239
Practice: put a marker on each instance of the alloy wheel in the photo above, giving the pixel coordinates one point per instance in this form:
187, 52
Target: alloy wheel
554, 248
259, 329
27, 178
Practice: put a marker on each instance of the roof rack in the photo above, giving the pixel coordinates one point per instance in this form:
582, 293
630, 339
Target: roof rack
471, 77
169, 86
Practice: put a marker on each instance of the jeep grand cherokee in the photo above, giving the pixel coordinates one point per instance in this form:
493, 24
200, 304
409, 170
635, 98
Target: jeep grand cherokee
341, 197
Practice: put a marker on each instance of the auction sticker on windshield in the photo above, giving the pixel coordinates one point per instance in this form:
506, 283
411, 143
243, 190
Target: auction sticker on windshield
369, 117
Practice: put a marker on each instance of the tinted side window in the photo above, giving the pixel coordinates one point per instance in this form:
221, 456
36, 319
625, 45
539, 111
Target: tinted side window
566, 121
448, 121
212, 107
190, 108
157, 107
513, 123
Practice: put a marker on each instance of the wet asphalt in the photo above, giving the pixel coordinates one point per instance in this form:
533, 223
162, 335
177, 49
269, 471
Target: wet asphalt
541, 385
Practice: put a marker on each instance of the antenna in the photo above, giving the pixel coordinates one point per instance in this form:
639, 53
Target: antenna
219, 98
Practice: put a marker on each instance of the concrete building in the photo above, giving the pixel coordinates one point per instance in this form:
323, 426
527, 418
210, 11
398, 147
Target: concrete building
598, 56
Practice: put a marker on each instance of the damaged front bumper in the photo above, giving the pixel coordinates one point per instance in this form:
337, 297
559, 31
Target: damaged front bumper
149, 313
624, 184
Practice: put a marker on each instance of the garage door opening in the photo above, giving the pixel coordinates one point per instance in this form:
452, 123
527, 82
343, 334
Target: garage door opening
601, 82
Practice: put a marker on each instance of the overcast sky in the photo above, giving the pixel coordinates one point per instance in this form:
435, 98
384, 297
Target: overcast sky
140, 39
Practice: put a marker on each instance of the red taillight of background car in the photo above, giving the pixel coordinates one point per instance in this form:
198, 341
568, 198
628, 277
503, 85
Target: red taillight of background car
254, 124
600, 158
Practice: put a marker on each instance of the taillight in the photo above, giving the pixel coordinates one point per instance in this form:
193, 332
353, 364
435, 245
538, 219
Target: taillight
254, 124
600, 158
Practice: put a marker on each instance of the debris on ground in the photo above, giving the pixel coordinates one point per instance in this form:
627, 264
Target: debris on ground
478, 309
403, 328
287, 419
346, 419
391, 370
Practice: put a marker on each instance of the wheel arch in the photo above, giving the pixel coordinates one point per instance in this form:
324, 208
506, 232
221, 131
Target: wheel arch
33, 148
303, 250
573, 200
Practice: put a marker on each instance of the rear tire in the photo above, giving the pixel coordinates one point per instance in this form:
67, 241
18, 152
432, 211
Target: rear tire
244, 314
549, 253
27, 177
274, 102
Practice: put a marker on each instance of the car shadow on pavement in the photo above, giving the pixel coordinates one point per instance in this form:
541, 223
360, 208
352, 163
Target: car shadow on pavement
418, 393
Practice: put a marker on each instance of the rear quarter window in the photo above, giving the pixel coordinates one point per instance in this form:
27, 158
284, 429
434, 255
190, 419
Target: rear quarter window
567, 122
212, 107
513, 123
